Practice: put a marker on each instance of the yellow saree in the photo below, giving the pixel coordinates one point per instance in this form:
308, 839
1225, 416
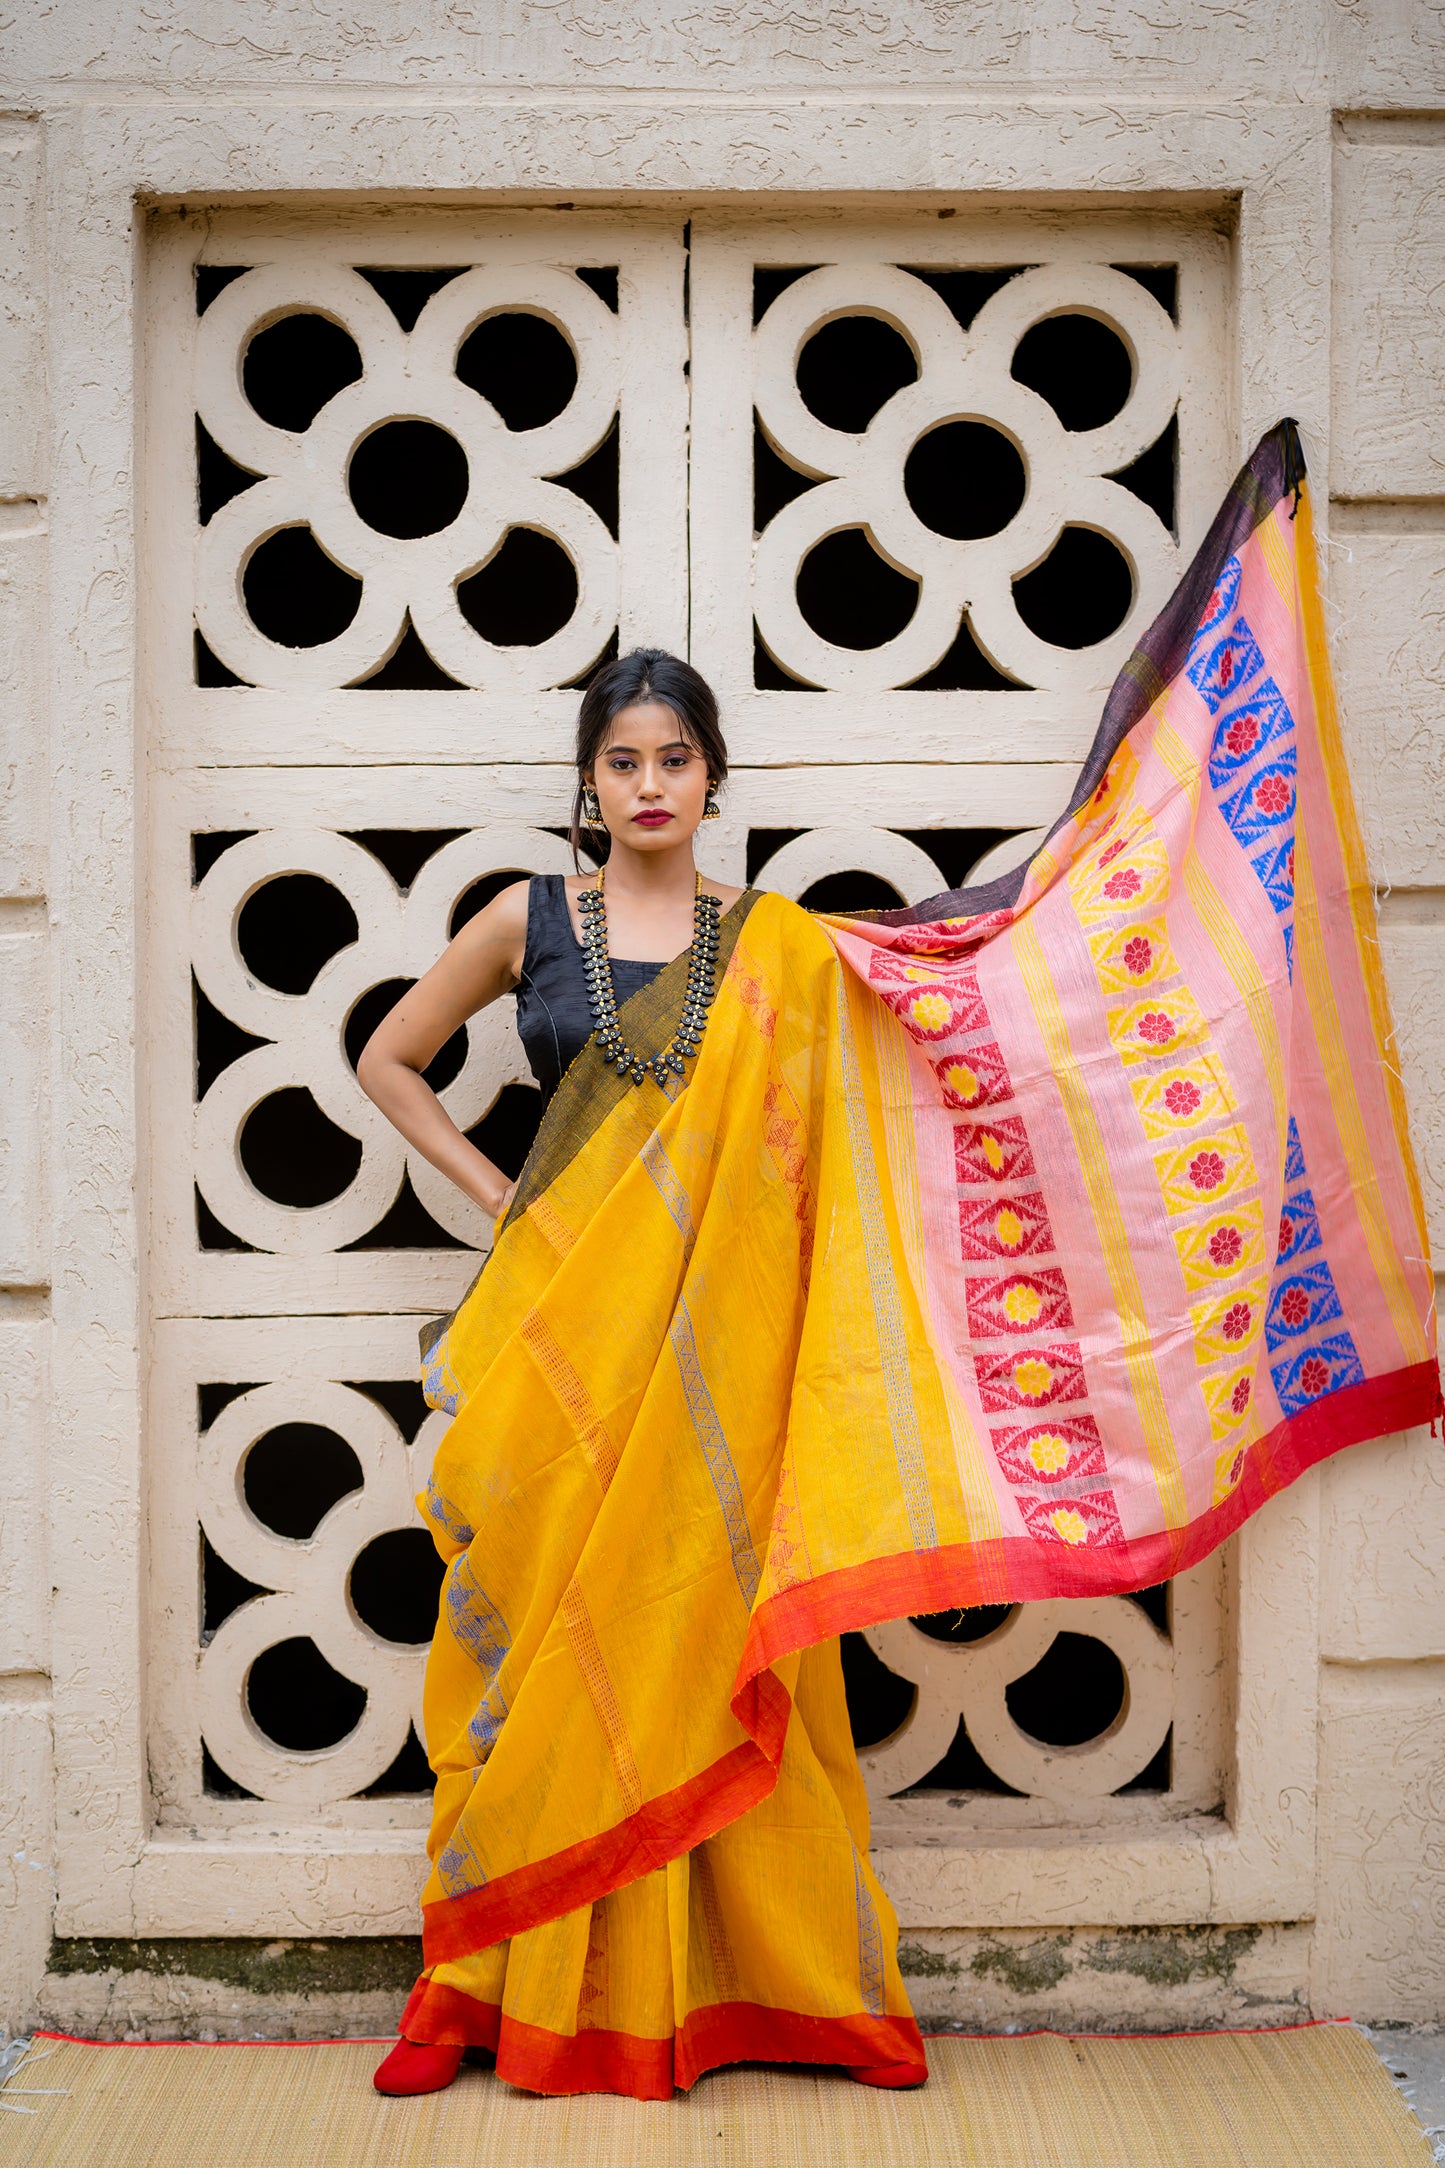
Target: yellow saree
1020, 1244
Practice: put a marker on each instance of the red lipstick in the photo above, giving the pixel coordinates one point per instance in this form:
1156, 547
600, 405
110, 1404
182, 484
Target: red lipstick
656, 819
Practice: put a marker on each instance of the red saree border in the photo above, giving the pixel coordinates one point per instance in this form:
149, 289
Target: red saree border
1017, 1569
1011, 1569
660, 1830
641, 2069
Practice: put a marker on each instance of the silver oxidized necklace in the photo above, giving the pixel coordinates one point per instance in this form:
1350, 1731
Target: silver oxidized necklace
602, 994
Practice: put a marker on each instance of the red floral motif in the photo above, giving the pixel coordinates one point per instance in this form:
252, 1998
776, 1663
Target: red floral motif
1181, 1097
1286, 1232
1239, 1398
1242, 735
1289, 862
1294, 1307
1138, 955
1272, 794
1314, 1374
1236, 1321
1122, 885
1106, 858
1157, 1026
1226, 1244
1236, 1467
1206, 1170
1226, 666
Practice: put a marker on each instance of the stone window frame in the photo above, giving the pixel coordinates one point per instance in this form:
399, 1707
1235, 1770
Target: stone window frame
1265, 178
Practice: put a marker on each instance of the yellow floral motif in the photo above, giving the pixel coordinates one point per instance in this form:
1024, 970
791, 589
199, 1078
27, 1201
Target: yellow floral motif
1101, 891
930, 1012
1230, 1467
1230, 1401
1021, 1305
1068, 1522
1164, 1024
1008, 1226
1132, 956
1032, 1377
988, 1143
1182, 1098
962, 1080
1049, 1452
1229, 1243
1230, 1323
1205, 1170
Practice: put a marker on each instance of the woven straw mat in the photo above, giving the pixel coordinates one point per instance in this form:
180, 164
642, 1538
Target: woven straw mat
1315, 2097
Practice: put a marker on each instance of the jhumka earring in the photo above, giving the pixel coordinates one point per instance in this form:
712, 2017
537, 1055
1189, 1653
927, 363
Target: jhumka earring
710, 806
591, 807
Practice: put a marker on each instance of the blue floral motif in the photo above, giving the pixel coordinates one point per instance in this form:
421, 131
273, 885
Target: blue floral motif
1315, 1372
1245, 731
445, 1514
1322, 1365
458, 1868
1299, 1226
1265, 804
474, 1618
1223, 599
1222, 671
1300, 1303
1275, 868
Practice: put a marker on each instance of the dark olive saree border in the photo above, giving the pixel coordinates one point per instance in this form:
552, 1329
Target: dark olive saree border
591, 1088
1274, 470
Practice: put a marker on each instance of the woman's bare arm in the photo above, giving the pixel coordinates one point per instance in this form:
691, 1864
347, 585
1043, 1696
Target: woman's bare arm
481, 964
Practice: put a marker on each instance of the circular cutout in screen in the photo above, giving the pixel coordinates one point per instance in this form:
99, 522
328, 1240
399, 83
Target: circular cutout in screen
299, 1700
293, 1153
295, 1474
522, 364
294, 593
965, 480
396, 1584
850, 595
1073, 1693
1080, 594
1081, 366
295, 366
408, 478
524, 593
850, 368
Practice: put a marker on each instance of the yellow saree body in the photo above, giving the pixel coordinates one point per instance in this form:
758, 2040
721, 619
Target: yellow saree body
607, 1499
1017, 1245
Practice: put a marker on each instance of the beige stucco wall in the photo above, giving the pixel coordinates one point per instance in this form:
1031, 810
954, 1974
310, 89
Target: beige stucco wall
1316, 132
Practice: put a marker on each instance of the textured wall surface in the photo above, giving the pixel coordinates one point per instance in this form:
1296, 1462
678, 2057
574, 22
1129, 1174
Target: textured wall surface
1310, 135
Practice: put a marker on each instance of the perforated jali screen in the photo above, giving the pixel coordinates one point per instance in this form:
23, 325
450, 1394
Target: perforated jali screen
906, 490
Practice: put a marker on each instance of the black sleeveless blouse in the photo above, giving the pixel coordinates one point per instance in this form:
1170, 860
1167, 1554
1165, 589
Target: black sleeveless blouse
554, 1019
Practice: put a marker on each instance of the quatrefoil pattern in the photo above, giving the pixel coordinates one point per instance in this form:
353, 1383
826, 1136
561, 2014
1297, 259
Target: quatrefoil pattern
399, 937
970, 1680
305, 1583
962, 375
406, 376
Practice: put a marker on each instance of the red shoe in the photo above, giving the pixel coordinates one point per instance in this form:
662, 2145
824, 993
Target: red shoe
415, 2066
895, 2077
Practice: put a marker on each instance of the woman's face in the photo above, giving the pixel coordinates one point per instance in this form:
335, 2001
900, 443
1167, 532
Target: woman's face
650, 783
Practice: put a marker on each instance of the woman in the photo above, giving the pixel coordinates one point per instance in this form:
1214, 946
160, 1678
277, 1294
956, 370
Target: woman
606, 1996
1018, 1244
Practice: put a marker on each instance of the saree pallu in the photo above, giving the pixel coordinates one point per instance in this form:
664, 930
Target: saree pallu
1017, 1245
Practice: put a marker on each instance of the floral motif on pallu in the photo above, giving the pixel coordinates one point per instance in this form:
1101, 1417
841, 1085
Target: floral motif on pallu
1208, 1182
481, 1630
1253, 756
439, 1386
1021, 1328
1311, 1352
446, 1515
